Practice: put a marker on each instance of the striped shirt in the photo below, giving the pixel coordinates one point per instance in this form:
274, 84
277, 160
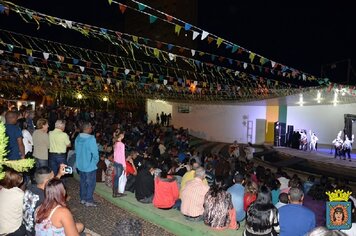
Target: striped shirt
192, 196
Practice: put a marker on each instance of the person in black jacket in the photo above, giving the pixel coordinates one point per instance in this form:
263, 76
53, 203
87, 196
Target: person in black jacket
144, 183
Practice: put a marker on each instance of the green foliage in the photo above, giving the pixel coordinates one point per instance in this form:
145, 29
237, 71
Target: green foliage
18, 165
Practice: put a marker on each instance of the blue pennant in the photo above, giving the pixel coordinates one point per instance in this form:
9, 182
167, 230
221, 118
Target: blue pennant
230, 61
187, 26
104, 31
2, 8
141, 7
30, 59
75, 61
170, 46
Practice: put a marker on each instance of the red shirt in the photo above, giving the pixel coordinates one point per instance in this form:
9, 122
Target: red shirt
129, 169
248, 199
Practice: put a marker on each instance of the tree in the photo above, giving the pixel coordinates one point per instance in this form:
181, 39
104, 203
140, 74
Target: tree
18, 165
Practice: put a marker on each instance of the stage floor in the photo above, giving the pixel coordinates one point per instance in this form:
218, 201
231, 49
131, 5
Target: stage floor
318, 162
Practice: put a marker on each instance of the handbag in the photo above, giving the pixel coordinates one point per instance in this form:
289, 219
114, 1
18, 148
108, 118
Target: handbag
122, 182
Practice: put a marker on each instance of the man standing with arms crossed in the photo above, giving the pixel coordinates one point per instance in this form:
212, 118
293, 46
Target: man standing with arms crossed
58, 143
87, 158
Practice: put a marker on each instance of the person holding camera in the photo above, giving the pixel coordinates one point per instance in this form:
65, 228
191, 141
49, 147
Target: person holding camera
87, 158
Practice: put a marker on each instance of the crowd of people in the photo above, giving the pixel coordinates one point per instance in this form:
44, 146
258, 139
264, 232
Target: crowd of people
157, 164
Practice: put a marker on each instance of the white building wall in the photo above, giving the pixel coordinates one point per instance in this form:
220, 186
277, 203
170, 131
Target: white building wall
157, 106
222, 123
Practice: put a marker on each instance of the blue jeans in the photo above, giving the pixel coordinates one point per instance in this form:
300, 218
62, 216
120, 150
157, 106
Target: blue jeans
54, 161
118, 171
41, 163
87, 185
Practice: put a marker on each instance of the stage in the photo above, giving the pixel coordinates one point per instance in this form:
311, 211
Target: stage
320, 162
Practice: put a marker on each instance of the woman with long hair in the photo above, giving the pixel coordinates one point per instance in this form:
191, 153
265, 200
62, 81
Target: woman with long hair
119, 162
53, 216
219, 213
262, 215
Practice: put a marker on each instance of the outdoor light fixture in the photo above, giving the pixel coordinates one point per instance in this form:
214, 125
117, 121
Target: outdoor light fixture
301, 100
105, 99
335, 101
318, 97
79, 96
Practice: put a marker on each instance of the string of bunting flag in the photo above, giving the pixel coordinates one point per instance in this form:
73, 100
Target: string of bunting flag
253, 89
157, 52
58, 64
76, 62
196, 31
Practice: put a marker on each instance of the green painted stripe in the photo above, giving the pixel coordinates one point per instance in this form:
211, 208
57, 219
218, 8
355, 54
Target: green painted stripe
171, 220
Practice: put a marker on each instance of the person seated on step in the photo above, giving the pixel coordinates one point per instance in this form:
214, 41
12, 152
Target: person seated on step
190, 174
144, 184
219, 212
166, 192
131, 172
192, 196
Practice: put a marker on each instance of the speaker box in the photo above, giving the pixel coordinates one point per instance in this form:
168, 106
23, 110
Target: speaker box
279, 134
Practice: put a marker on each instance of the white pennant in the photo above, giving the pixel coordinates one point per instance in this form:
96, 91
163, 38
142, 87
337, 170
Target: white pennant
63, 24
69, 24
165, 82
171, 56
46, 55
237, 73
195, 82
1, 51
284, 74
37, 69
193, 52
304, 77
204, 35
157, 86
127, 71
245, 65
108, 80
81, 68
273, 63
117, 84
195, 34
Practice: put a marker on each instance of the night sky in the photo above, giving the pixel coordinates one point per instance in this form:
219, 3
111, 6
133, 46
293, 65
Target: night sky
303, 35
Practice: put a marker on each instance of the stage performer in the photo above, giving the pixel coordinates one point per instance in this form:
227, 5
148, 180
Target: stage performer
313, 141
347, 147
303, 140
338, 145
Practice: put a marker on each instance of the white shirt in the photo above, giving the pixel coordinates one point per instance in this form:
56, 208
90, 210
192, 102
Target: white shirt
27, 140
11, 201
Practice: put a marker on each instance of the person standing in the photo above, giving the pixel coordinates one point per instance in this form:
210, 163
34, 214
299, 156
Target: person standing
119, 163
347, 146
15, 147
87, 158
41, 143
58, 143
